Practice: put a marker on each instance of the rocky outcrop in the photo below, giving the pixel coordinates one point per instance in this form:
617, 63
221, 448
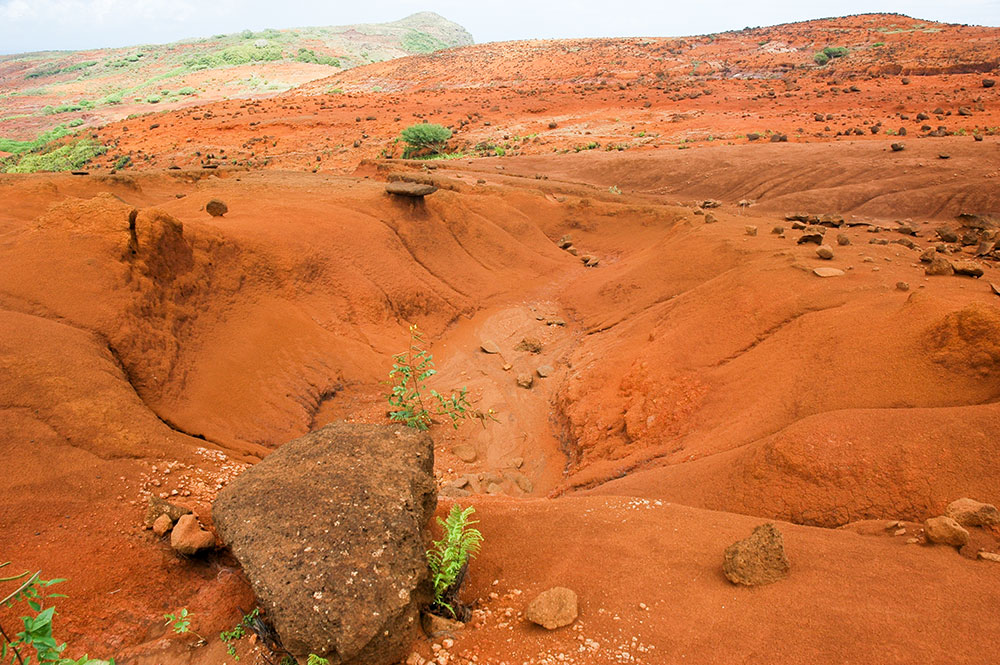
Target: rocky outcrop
757, 560
329, 530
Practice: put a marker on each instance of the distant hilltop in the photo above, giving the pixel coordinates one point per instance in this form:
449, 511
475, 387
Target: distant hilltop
57, 91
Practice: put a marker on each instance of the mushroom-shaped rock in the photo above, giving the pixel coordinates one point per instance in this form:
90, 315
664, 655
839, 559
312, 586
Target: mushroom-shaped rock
414, 190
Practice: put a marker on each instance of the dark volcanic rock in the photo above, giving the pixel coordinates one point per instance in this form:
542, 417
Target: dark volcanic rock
329, 529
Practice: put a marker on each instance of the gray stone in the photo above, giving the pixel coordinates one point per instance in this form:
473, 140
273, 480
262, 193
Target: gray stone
824, 252
329, 530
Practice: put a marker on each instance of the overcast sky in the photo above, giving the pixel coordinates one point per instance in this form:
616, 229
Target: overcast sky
35, 25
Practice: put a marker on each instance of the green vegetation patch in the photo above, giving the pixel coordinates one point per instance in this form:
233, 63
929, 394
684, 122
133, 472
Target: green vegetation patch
53, 70
829, 53
67, 157
18, 147
421, 42
234, 55
308, 55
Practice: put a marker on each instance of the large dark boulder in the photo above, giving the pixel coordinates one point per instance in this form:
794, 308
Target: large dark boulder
329, 530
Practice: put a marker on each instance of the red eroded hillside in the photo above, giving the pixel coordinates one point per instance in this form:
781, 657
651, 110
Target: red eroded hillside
699, 291
900, 77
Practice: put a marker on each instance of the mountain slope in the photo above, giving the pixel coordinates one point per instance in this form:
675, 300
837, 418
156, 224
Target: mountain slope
41, 91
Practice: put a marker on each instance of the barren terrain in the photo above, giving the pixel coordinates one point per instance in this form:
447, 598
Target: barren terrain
703, 378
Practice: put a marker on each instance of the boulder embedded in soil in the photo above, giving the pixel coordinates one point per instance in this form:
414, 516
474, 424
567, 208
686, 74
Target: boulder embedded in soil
969, 512
553, 609
757, 560
825, 252
828, 272
946, 531
216, 208
465, 452
189, 538
435, 626
329, 530
525, 380
939, 266
489, 347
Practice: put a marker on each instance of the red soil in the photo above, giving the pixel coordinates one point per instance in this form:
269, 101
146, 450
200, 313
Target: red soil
704, 381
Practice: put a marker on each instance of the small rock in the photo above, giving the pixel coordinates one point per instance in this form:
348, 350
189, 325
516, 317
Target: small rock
897, 147
969, 512
824, 252
529, 344
544, 371
435, 626
813, 234
553, 609
843, 239
757, 560
995, 288
778, 230
939, 266
711, 203
158, 506
465, 452
965, 267
592, 262
525, 380
946, 531
489, 346
988, 83
989, 556
902, 286
162, 525
750, 230
216, 208
828, 272
710, 218
189, 538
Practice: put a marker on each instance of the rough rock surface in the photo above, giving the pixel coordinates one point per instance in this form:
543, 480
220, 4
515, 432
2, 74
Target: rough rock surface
946, 531
757, 560
158, 506
329, 531
969, 512
553, 609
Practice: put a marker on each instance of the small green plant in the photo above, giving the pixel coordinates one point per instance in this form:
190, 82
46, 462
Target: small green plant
449, 559
614, 189
239, 631
410, 370
316, 660
821, 58
180, 623
37, 634
425, 136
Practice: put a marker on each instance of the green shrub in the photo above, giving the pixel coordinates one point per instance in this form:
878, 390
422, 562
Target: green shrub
308, 55
75, 122
410, 370
240, 54
425, 136
821, 58
449, 559
186, 90
835, 51
69, 157
17, 147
